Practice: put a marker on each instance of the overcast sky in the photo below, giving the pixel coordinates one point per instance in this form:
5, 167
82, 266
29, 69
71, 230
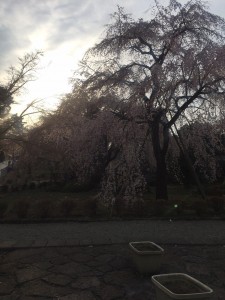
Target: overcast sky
64, 30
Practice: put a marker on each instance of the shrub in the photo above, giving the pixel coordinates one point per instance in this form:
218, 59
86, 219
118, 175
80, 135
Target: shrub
172, 210
217, 203
14, 188
21, 207
159, 207
200, 207
24, 187
54, 187
31, 186
215, 190
91, 207
43, 209
118, 207
139, 208
67, 207
4, 188
3, 207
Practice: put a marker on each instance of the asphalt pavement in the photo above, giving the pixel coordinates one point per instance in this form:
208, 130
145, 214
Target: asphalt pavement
205, 232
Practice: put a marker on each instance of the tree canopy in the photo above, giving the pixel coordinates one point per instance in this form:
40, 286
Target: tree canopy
166, 71
149, 91
17, 78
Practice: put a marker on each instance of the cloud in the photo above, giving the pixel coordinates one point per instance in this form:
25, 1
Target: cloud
72, 22
18, 19
48, 24
10, 42
64, 29
7, 38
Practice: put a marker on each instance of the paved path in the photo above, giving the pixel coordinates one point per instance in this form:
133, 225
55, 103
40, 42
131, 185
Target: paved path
112, 232
101, 272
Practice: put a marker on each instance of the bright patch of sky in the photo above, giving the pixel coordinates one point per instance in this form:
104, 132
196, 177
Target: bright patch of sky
64, 30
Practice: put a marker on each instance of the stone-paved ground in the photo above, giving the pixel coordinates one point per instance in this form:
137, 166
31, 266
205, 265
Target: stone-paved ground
100, 272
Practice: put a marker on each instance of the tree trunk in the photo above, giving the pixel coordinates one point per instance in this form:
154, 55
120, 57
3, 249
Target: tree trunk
161, 177
189, 163
160, 156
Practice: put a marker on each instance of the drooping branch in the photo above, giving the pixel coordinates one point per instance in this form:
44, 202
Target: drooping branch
151, 52
181, 145
183, 107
